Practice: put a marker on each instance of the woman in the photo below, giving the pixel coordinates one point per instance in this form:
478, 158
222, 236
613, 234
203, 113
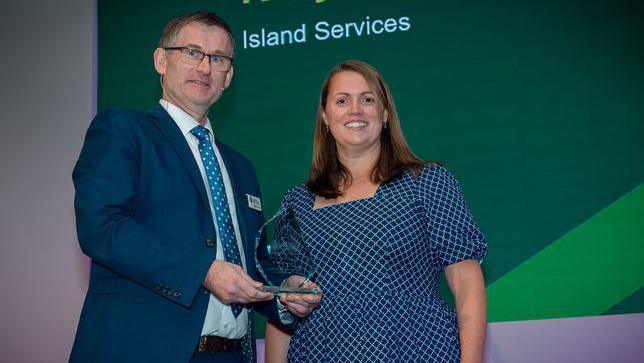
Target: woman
382, 226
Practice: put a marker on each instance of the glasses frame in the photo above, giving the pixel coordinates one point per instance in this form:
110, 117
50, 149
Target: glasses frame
203, 55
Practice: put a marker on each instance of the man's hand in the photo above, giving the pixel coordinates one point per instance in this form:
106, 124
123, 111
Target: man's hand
230, 284
301, 305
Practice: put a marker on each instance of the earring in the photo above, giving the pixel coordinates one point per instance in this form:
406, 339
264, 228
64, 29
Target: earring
385, 125
327, 126
222, 88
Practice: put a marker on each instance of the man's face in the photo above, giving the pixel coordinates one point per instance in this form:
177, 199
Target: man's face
194, 88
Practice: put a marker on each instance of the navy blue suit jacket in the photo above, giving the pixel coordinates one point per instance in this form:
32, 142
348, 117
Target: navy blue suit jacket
142, 215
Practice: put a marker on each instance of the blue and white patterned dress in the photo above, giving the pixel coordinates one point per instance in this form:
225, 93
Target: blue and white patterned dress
378, 262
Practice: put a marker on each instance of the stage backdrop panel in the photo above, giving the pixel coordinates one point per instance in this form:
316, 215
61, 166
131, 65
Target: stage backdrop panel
535, 106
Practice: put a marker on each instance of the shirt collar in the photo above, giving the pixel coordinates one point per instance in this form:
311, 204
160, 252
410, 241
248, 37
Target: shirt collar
182, 118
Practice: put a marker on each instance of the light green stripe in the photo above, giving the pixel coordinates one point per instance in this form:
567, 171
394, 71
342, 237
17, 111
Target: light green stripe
584, 273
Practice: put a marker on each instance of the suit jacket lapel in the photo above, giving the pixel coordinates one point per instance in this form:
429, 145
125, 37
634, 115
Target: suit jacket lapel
178, 141
239, 203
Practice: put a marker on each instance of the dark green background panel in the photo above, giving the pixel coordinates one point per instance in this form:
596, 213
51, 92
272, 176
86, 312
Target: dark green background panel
535, 106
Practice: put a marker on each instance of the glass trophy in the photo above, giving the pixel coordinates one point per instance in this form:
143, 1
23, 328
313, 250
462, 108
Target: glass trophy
284, 261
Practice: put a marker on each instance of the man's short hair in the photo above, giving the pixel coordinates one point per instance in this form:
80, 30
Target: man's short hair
172, 29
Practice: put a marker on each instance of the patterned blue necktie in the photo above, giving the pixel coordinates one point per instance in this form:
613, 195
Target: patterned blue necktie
219, 201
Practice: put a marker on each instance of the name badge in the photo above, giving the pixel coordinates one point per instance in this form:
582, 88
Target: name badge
254, 202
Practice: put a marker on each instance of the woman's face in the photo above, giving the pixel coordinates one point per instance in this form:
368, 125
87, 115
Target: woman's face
352, 113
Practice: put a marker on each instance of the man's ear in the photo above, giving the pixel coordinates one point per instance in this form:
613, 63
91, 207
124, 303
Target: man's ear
229, 76
160, 61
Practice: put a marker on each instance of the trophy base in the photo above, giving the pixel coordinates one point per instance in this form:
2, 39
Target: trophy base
278, 290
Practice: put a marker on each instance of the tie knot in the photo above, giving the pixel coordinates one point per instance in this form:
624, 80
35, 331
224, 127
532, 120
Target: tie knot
201, 133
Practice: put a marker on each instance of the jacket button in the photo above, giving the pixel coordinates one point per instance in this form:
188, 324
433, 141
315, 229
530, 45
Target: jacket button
210, 242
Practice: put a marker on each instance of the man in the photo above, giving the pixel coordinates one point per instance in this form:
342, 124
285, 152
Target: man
168, 216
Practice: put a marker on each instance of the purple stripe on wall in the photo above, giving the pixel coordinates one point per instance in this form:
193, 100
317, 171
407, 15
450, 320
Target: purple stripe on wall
601, 339
598, 339
260, 350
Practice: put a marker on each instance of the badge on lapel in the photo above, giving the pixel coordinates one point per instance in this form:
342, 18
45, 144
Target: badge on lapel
254, 202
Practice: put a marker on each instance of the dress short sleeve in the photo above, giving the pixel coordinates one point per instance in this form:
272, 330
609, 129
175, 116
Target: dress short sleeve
451, 228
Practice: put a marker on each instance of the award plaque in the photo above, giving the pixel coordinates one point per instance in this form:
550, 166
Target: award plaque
284, 261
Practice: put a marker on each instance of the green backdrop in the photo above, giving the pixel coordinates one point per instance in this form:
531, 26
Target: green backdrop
535, 106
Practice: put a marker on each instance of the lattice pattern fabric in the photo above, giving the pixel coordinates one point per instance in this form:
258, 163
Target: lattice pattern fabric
378, 263
219, 201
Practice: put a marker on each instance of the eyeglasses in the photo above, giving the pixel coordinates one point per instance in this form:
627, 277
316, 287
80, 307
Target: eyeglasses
194, 57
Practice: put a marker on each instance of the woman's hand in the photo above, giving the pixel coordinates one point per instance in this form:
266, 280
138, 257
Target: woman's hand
301, 305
